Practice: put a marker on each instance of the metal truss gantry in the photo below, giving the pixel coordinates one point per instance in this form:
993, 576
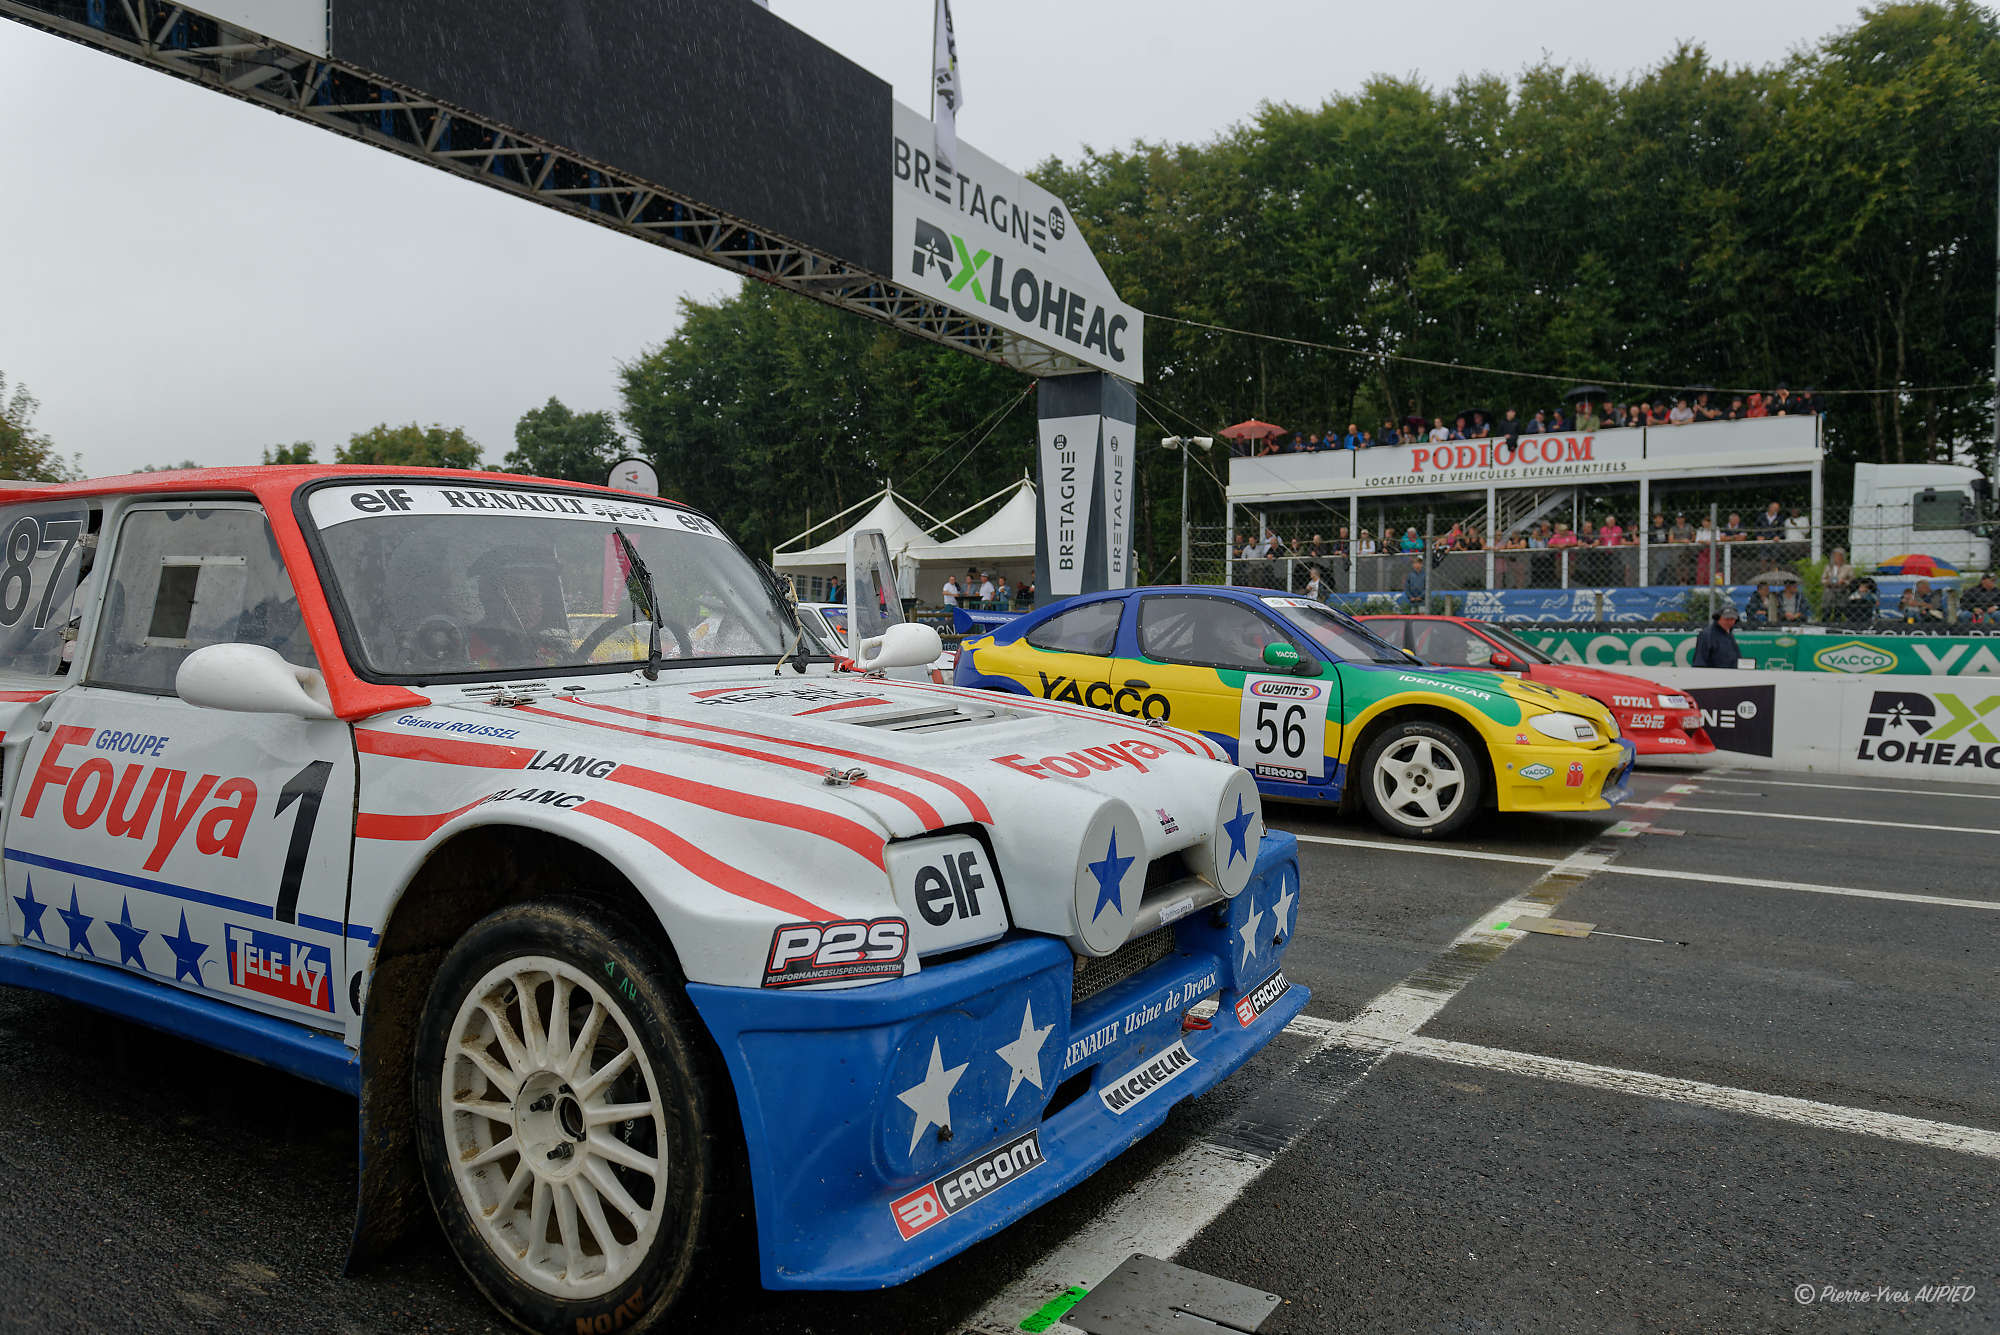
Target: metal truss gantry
220, 56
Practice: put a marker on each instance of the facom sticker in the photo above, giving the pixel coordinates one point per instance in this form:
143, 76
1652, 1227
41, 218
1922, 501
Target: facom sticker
943, 1197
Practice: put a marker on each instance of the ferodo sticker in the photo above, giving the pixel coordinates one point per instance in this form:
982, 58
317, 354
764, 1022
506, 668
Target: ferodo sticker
941, 1198
279, 967
1122, 1094
1261, 998
825, 952
1281, 733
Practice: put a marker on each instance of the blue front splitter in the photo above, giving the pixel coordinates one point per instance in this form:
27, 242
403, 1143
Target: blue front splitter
819, 1076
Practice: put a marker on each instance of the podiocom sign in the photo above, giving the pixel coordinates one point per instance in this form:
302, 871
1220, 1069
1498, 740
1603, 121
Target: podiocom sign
991, 244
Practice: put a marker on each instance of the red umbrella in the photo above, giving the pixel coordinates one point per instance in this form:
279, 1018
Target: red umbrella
1252, 430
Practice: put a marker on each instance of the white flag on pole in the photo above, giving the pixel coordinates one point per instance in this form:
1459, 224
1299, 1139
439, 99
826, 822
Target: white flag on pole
947, 95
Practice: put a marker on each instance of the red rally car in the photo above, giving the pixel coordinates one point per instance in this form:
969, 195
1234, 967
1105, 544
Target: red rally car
1659, 720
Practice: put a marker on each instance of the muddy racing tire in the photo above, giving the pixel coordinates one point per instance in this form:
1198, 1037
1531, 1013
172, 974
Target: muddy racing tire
570, 1118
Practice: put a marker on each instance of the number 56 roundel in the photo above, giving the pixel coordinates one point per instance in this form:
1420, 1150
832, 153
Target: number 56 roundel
1282, 731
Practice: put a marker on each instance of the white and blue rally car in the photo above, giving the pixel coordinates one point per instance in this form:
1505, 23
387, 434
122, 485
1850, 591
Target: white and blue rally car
529, 814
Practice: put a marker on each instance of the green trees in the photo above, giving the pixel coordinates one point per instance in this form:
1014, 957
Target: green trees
25, 452
431, 446
298, 452
552, 441
1828, 221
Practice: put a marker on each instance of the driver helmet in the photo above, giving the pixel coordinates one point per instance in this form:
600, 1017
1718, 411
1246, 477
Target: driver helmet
520, 587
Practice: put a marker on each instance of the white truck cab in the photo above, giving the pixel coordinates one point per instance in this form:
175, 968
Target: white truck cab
1941, 510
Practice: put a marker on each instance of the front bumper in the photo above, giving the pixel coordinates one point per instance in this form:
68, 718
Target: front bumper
832, 1086
1561, 777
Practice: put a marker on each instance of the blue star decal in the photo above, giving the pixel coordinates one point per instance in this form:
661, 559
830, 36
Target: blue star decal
31, 913
187, 953
1109, 872
78, 923
129, 937
1239, 829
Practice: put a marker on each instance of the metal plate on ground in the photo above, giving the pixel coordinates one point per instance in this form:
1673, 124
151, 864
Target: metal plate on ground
1148, 1296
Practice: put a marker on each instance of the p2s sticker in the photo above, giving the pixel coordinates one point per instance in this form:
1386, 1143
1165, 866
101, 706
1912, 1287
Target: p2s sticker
825, 952
1281, 731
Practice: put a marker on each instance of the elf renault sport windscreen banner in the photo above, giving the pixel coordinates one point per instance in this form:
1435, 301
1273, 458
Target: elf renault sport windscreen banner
991, 244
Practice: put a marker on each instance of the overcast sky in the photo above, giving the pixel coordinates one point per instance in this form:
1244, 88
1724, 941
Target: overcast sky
187, 276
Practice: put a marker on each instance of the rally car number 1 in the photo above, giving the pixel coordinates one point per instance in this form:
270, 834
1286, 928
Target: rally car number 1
1282, 731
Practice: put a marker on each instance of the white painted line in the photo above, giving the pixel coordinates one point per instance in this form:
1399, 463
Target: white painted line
1779, 1107
1658, 873
1855, 788
1161, 1215
1427, 849
1824, 820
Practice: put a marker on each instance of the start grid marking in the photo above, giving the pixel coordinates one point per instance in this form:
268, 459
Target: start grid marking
1162, 1214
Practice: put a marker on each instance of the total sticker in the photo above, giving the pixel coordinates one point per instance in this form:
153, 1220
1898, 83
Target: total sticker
1281, 732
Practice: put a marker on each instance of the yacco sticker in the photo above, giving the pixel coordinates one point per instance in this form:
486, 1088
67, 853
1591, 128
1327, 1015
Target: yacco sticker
1261, 998
279, 967
1127, 1091
943, 1197
1536, 772
1134, 699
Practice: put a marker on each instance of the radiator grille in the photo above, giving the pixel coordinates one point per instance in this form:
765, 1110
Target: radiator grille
1094, 975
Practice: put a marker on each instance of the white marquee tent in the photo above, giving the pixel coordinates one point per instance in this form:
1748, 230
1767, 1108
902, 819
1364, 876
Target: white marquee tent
812, 567
1003, 544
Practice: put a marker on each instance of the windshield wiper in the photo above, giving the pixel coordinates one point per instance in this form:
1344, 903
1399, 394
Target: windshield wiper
639, 584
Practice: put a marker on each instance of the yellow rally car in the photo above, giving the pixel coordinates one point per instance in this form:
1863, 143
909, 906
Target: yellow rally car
1303, 695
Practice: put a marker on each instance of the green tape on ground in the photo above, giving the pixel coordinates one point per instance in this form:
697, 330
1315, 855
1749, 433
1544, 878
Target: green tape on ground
1054, 1310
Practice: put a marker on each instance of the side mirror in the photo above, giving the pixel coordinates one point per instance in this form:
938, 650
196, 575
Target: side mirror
251, 679
1282, 656
905, 644
1503, 660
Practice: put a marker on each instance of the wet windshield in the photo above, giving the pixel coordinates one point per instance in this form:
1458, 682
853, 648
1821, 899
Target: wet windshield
438, 580
1338, 633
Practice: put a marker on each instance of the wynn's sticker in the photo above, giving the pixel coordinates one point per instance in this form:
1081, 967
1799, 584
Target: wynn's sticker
1281, 731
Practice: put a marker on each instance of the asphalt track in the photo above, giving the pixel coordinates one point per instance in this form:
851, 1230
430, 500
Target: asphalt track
1472, 1129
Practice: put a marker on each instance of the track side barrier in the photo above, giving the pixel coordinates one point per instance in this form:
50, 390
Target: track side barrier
1904, 727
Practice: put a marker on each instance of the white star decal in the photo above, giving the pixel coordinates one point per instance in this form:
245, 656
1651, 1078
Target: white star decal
1249, 931
1284, 909
1024, 1055
930, 1098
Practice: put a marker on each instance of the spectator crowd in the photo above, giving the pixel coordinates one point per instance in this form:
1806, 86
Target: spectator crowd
1585, 415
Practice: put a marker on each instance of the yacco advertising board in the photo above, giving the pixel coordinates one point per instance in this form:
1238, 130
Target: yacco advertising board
988, 242
1726, 448
1850, 655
